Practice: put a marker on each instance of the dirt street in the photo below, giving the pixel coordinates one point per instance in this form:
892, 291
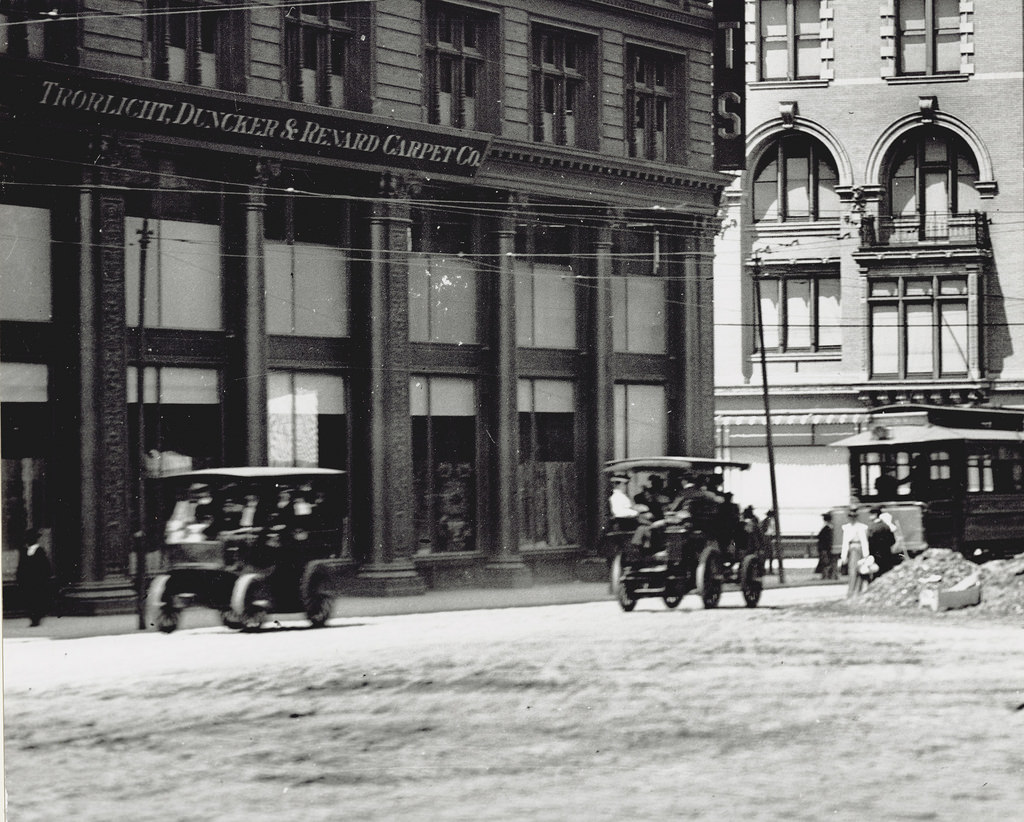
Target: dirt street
787, 712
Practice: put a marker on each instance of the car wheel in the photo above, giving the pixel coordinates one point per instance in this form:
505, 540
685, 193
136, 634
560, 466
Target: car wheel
167, 619
709, 575
231, 620
750, 580
318, 610
627, 600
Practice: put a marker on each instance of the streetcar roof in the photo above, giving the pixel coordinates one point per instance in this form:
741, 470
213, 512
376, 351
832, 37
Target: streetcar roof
693, 464
888, 436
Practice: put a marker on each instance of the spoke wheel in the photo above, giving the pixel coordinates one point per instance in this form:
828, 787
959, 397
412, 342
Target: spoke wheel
167, 619
318, 610
750, 581
709, 576
627, 601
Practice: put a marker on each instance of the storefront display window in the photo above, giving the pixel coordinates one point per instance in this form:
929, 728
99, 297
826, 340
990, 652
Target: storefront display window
27, 437
640, 420
444, 463
307, 425
548, 475
638, 292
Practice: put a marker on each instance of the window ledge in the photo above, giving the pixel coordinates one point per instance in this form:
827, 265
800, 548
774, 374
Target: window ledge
791, 228
770, 84
800, 356
917, 79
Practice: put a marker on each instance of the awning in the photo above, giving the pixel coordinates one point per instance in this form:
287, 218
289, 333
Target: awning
795, 419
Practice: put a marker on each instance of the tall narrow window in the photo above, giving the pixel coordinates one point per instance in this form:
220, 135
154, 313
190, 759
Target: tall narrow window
790, 39
563, 87
192, 43
443, 280
800, 313
322, 64
460, 40
307, 267
920, 327
444, 463
652, 104
548, 477
26, 420
795, 180
638, 291
929, 36
640, 420
38, 30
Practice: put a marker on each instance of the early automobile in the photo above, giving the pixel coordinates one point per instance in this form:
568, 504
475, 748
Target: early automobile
685, 534
248, 542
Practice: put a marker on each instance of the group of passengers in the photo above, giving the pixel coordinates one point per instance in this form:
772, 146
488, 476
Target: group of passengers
660, 503
237, 513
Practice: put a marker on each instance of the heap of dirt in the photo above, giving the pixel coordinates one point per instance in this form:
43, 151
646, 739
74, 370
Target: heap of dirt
1002, 582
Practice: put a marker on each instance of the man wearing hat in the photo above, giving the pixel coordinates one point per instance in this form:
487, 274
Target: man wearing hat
826, 559
623, 511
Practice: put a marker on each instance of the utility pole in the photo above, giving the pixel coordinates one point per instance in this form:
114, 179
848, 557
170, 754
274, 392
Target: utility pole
775, 544
140, 397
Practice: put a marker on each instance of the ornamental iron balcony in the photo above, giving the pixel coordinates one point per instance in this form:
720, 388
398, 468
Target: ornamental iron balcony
931, 228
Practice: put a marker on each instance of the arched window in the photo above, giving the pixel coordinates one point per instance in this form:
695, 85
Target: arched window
932, 172
795, 180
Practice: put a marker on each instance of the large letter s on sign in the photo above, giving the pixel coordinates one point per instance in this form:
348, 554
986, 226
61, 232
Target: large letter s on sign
735, 125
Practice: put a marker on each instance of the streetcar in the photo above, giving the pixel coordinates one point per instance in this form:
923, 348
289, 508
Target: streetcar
951, 476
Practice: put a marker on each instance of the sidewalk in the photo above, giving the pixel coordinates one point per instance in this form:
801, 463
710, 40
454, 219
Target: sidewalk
798, 571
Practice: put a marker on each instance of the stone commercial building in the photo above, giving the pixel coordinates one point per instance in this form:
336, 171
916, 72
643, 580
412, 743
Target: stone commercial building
462, 250
881, 209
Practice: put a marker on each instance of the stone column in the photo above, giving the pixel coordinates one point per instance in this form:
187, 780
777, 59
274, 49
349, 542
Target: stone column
254, 356
104, 583
390, 570
506, 568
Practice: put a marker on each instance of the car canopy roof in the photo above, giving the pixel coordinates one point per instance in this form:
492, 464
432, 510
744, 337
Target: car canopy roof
692, 465
253, 472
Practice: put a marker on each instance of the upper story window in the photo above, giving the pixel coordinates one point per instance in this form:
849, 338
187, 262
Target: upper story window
790, 39
795, 180
25, 290
324, 53
37, 30
652, 104
564, 88
195, 42
920, 326
800, 312
933, 174
928, 33
460, 76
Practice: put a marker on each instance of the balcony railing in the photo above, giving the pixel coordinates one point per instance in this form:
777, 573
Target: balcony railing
932, 228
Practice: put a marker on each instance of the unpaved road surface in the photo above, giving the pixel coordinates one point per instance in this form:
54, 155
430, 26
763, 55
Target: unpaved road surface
575, 712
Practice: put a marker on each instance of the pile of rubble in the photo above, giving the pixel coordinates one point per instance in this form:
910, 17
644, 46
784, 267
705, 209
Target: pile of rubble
1001, 581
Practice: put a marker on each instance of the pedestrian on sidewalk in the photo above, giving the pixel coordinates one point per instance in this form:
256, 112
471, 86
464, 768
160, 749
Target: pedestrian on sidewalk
855, 547
826, 566
34, 578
